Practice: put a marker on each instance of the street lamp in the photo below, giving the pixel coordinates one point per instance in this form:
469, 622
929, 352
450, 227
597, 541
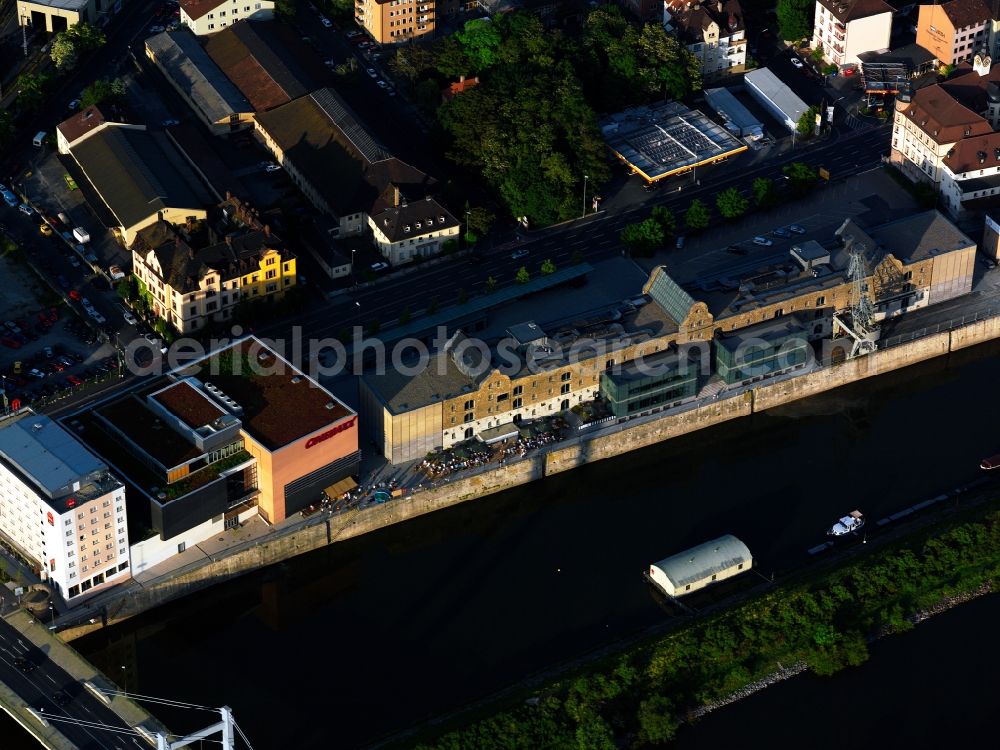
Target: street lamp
354, 276
124, 679
584, 197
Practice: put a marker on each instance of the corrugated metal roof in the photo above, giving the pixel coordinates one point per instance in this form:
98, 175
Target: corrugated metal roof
768, 85
705, 560
47, 454
727, 105
192, 70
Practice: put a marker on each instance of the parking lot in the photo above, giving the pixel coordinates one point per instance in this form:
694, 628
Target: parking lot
47, 352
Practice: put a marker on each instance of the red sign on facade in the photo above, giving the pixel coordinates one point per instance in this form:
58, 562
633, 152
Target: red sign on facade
52, 521
330, 433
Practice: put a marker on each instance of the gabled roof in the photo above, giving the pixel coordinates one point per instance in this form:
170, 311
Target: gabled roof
138, 173
83, 122
195, 9
964, 13
977, 152
254, 59
938, 114
322, 139
853, 10
182, 266
409, 220
691, 19
183, 59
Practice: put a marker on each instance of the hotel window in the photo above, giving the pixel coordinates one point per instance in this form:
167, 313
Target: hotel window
469, 404
516, 403
820, 301
564, 388
211, 15
469, 417
518, 390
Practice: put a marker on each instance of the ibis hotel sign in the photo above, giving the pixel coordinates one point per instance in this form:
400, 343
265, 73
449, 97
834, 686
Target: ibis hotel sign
317, 439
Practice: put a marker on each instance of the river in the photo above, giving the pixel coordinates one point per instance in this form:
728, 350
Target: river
377, 633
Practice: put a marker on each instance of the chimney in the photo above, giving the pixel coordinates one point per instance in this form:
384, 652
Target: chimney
229, 196
461, 79
718, 6
395, 196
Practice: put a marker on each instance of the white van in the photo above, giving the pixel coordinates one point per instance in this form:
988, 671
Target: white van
81, 234
39, 139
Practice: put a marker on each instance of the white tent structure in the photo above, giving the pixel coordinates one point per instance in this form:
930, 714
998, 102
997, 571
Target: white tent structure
701, 566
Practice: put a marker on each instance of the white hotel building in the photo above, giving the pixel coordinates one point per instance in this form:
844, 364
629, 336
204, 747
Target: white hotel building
61, 508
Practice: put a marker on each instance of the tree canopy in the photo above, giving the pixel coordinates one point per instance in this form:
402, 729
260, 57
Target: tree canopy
527, 125
627, 64
731, 203
795, 18
644, 237
103, 90
697, 217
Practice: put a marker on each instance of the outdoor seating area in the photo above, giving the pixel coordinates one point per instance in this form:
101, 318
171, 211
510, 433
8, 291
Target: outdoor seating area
474, 453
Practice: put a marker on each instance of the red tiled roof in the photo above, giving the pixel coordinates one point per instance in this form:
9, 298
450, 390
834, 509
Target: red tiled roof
195, 9
965, 156
456, 88
946, 120
964, 13
81, 123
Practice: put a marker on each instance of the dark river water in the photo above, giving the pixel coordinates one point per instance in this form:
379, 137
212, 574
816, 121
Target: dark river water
344, 645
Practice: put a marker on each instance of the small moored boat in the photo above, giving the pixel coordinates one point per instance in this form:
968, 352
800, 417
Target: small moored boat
993, 462
851, 522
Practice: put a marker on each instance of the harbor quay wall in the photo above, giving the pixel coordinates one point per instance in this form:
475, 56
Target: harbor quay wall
584, 450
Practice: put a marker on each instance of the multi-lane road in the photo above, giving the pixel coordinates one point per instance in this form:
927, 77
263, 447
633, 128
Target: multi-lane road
592, 239
50, 691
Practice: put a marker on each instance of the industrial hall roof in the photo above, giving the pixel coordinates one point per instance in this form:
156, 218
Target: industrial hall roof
659, 140
705, 560
253, 55
185, 61
138, 172
328, 146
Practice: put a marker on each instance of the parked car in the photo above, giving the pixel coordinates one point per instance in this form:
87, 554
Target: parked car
796, 229
762, 241
325, 21
73, 380
116, 273
737, 250
372, 72
127, 315
796, 62
680, 242
73, 105
169, 122
382, 84
781, 232
73, 261
25, 209
36, 373
12, 326
18, 366
45, 229
156, 29
74, 294
272, 168
379, 266
518, 254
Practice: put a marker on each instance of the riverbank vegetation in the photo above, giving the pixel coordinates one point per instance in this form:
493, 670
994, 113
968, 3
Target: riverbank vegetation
639, 697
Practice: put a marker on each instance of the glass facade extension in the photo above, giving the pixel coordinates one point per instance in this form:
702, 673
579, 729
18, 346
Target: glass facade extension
761, 350
647, 383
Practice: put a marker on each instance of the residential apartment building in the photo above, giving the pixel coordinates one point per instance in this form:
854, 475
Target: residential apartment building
714, 32
62, 508
238, 433
396, 21
954, 31
404, 230
945, 135
844, 29
472, 391
210, 16
199, 272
